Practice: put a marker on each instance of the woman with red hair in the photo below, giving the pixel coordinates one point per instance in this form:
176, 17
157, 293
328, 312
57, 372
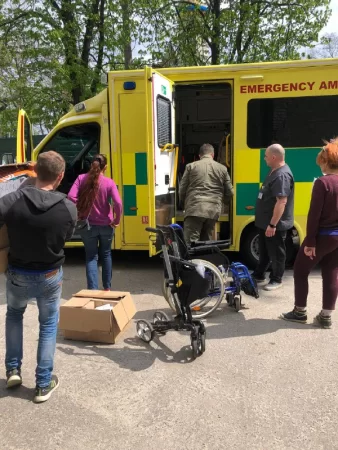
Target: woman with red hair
97, 199
321, 242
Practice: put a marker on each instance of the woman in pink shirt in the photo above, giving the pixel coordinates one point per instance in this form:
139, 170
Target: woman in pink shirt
97, 199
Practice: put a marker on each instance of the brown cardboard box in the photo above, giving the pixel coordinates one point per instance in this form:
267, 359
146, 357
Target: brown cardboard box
4, 247
81, 321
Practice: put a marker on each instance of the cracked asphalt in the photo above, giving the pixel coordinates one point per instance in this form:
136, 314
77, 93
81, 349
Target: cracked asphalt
262, 383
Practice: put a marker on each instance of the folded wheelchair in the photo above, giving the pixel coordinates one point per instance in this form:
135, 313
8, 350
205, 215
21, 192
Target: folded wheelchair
186, 285
225, 279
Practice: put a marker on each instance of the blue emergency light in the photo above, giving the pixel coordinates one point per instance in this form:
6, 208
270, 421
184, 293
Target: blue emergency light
129, 85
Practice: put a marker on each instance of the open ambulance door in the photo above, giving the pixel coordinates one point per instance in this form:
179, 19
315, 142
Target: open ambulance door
24, 138
162, 152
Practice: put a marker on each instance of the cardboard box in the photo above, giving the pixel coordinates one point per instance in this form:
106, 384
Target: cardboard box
81, 321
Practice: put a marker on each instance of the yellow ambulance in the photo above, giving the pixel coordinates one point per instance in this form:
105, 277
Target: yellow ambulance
150, 124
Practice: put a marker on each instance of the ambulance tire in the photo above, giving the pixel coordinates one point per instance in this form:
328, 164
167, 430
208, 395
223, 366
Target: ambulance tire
250, 248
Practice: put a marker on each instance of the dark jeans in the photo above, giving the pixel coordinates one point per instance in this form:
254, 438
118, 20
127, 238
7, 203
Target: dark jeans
198, 228
98, 240
271, 249
46, 289
327, 256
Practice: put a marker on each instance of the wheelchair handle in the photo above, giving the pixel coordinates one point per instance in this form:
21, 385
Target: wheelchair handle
153, 230
158, 232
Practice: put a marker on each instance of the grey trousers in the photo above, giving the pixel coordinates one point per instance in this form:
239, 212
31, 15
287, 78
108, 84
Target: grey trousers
198, 228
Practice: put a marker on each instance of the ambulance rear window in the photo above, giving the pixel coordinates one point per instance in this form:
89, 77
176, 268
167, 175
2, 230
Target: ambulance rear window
292, 122
163, 121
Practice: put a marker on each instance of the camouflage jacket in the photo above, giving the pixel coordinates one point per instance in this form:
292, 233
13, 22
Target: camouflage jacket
205, 185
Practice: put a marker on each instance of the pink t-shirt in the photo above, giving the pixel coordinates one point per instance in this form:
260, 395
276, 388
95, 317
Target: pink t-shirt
101, 212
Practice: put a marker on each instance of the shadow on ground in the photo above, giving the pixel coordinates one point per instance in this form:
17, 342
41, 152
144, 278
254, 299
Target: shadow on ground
137, 355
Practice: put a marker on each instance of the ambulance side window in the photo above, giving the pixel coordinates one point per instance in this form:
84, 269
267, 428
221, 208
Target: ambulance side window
78, 144
71, 141
292, 122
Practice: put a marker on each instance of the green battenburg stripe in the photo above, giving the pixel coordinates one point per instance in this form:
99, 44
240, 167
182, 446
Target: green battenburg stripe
129, 200
246, 195
302, 162
141, 168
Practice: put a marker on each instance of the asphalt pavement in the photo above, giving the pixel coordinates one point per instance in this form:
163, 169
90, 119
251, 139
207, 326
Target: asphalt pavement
262, 383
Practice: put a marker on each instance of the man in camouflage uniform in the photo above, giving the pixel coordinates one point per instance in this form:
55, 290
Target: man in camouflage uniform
204, 187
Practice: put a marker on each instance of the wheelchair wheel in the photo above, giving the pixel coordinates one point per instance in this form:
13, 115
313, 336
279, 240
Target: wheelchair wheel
145, 330
160, 316
205, 306
195, 349
238, 302
230, 298
201, 342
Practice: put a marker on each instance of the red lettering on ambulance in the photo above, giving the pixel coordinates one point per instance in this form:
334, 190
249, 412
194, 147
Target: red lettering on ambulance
252, 89
311, 85
285, 87
333, 84
322, 85
268, 88
243, 89
302, 86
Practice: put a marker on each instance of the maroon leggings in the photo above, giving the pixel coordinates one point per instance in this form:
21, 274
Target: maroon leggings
327, 256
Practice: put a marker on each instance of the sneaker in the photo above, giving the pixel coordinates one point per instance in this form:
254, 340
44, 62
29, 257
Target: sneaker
295, 316
272, 285
323, 321
13, 378
258, 279
42, 394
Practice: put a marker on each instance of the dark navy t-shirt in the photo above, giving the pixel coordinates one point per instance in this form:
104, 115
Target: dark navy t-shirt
278, 183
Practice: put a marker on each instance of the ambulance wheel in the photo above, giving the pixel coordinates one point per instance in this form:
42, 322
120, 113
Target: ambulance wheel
238, 302
145, 330
160, 316
250, 247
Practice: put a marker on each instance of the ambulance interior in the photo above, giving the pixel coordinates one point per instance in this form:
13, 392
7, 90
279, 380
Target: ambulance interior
203, 115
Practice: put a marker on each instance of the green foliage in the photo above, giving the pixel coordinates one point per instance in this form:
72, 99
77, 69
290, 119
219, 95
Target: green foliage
52, 52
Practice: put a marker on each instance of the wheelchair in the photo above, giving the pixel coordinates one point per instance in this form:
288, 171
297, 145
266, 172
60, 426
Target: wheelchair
217, 269
186, 284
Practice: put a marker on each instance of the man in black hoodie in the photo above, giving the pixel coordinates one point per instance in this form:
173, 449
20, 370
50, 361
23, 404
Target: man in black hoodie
39, 221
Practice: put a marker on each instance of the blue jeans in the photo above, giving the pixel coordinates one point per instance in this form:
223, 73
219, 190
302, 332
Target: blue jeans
98, 241
46, 289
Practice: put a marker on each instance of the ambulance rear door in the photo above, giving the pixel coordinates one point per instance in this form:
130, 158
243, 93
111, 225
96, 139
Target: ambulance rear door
162, 151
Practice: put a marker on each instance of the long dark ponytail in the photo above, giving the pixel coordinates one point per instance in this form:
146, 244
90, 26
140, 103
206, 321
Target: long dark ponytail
90, 187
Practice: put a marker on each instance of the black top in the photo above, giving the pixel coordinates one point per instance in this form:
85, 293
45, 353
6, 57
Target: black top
323, 213
278, 183
38, 222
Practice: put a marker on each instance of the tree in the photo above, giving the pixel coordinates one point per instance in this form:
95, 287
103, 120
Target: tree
326, 48
235, 31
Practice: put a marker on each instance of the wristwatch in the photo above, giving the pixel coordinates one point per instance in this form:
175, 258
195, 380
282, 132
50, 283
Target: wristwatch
272, 226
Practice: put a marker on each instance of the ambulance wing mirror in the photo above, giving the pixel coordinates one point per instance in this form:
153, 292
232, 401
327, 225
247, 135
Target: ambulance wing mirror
24, 138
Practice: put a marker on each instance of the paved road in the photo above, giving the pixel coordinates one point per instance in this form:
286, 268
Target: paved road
262, 383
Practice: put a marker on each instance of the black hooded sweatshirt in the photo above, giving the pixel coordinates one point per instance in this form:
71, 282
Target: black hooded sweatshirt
39, 223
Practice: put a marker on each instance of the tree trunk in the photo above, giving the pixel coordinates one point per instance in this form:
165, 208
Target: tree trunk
128, 54
216, 32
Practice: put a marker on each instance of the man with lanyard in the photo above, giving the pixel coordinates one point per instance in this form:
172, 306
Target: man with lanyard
274, 216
